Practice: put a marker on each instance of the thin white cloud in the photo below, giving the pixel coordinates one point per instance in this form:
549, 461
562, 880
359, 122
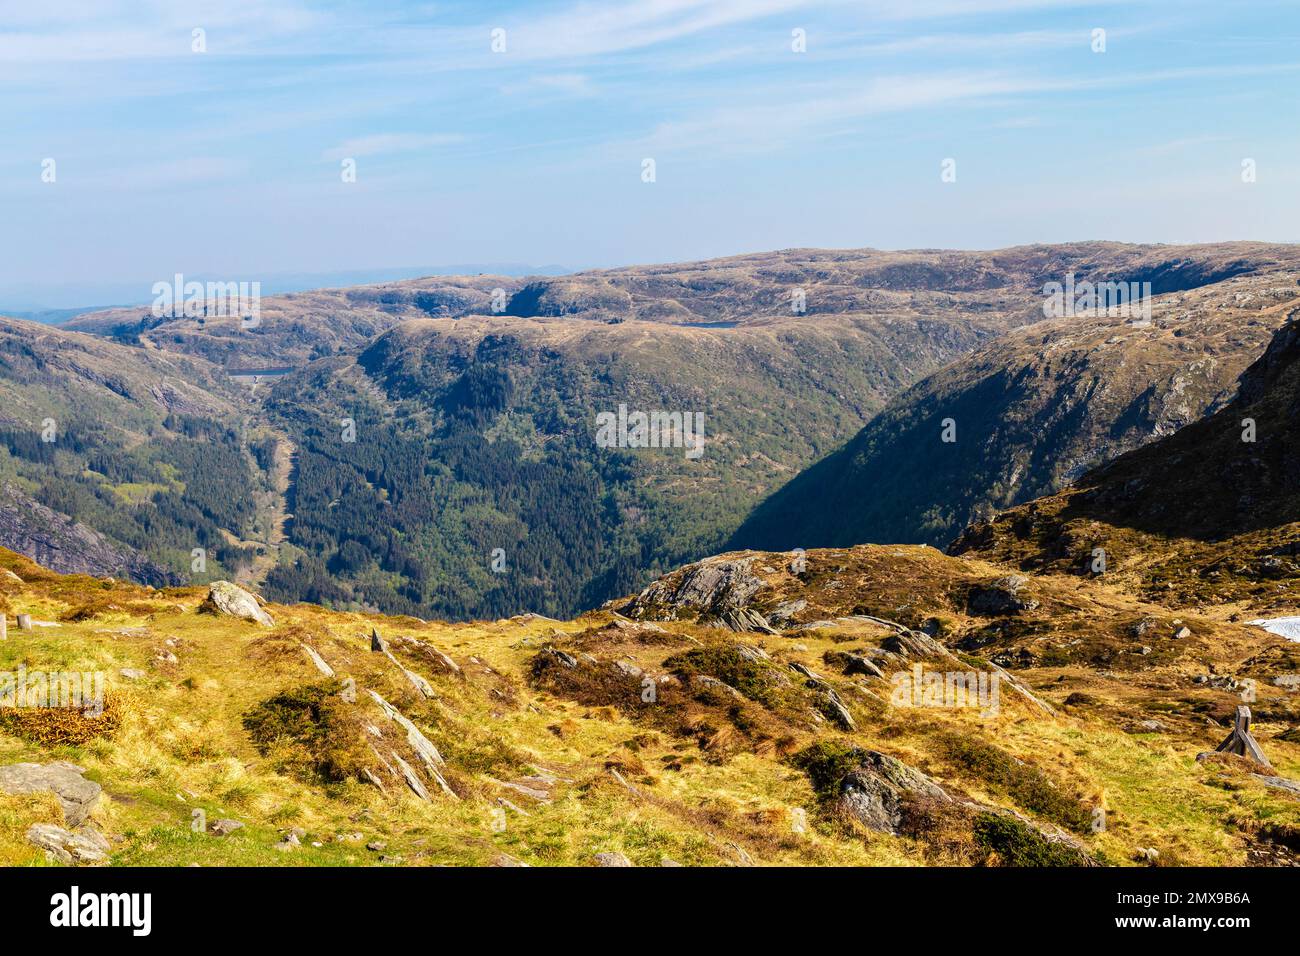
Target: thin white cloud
379, 144
562, 84
776, 125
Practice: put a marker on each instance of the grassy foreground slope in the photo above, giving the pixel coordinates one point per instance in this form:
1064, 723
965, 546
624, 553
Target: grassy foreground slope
551, 754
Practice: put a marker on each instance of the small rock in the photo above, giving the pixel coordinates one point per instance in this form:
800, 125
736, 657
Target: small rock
376, 846
611, 859
225, 827
132, 673
1182, 632
1146, 854
876, 791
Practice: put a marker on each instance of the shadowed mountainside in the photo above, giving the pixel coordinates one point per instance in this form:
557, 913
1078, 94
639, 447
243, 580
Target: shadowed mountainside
1209, 515
1032, 412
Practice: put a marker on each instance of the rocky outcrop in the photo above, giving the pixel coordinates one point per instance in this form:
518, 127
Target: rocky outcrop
76, 794
230, 600
61, 544
875, 792
884, 794
716, 590
86, 845
430, 759
1004, 596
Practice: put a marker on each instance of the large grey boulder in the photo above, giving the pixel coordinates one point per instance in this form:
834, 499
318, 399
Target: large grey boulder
716, 589
233, 601
876, 792
1004, 596
77, 794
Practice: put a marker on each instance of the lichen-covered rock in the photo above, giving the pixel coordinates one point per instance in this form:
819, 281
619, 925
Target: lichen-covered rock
86, 845
876, 791
714, 588
77, 794
233, 601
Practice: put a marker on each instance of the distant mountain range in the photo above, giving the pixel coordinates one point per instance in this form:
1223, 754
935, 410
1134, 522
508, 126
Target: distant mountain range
41, 302
430, 446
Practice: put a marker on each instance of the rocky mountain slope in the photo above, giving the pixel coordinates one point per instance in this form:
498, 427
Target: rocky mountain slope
1031, 412
1209, 515
118, 461
652, 732
68, 546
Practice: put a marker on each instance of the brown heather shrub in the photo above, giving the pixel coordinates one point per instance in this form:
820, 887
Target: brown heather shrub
52, 726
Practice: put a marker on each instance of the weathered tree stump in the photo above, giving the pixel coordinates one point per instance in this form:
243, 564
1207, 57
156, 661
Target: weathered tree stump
1240, 741
24, 622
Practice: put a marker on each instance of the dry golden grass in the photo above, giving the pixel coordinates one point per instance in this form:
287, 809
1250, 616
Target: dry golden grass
700, 780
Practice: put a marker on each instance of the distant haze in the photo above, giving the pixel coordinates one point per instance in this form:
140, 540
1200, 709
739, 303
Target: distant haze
246, 141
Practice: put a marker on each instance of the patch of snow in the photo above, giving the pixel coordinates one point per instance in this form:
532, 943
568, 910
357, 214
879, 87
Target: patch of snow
1288, 627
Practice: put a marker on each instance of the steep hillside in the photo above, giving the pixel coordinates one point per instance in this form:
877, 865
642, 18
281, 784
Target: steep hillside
481, 434
1032, 412
648, 733
134, 458
68, 546
1209, 515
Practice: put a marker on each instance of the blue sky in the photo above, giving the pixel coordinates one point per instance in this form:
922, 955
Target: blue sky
227, 162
